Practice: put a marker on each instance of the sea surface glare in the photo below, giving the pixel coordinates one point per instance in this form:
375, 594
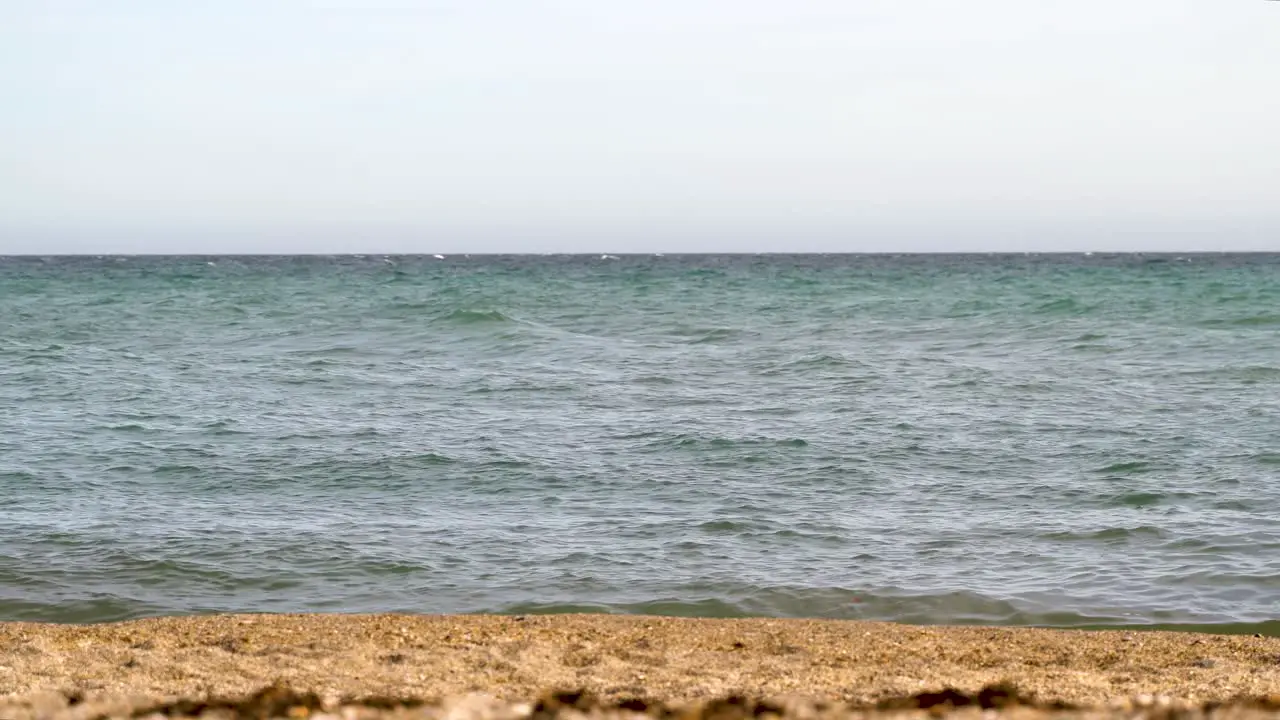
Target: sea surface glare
1060, 440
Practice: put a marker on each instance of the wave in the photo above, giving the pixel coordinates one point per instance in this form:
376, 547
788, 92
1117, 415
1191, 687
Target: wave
477, 317
126, 428
952, 608
1133, 467
715, 336
1139, 532
654, 380
1137, 499
1064, 306
811, 363
410, 461
96, 610
734, 600
685, 441
705, 335
1245, 375
732, 527
344, 471
526, 388
1246, 321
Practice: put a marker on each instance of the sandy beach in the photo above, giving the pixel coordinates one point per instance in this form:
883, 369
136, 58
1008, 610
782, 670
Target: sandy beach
488, 666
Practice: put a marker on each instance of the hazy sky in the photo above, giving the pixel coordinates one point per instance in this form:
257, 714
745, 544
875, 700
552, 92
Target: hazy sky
595, 125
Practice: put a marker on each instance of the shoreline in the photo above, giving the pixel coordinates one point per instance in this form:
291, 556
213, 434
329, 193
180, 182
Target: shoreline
1045, 621
657, 660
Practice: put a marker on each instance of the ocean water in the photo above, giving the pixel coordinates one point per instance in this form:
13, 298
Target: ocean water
1061, 440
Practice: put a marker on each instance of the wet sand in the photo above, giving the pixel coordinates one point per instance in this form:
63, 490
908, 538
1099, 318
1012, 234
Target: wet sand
348, 666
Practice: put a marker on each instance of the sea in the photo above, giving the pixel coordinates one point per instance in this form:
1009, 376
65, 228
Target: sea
1063, 440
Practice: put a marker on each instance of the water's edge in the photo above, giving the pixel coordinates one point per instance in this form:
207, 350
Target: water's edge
1259, 629
706, 610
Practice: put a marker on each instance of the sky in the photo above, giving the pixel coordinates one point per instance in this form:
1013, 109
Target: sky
655, 126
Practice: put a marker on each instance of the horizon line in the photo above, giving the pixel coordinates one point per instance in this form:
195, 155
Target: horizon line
608, 255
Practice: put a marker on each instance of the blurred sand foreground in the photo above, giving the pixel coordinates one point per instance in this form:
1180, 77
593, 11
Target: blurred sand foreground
473, 667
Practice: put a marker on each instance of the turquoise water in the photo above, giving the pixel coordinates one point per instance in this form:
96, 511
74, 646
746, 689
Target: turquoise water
1055, 440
